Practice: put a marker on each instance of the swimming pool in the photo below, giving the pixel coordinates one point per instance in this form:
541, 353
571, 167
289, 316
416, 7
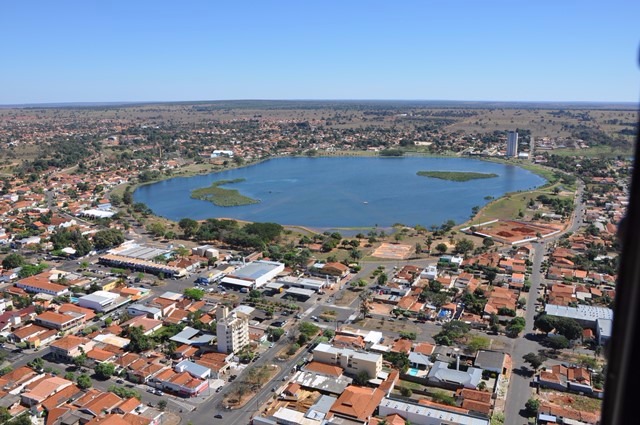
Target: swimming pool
412, 371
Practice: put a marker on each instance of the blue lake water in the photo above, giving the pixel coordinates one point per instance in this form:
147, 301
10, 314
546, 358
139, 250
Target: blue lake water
342, 192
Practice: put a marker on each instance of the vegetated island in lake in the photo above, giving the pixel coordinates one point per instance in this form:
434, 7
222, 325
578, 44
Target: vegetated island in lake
456, 176
223, 197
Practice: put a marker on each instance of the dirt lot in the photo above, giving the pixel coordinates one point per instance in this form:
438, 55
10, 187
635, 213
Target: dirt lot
510, 231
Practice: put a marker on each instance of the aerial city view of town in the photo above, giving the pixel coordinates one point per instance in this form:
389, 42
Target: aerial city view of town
343, 213
109, 310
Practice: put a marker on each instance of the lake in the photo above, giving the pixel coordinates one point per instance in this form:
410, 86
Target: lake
343, 192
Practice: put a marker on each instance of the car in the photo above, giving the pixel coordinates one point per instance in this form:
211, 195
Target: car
158, 392
151, 390
314, 318
298, 316
218, 416
218, 389
119, 381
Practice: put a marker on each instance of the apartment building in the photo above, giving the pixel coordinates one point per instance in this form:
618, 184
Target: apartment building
353, 362
232, 329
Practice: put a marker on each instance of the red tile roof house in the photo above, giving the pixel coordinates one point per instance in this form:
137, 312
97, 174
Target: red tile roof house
181, 383
148, 326
69, 347
14, 381
60, 321
40, 284
39, 391
474, 400
356, 403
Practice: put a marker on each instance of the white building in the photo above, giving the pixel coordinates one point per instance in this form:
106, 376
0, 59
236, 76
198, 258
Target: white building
232, 329
353, 362
427, 415
98, 301
512, 144
254, 275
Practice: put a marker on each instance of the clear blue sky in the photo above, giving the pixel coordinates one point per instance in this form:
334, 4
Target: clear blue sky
139, 50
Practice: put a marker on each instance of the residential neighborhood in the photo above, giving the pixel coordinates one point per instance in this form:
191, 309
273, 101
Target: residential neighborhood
110, 314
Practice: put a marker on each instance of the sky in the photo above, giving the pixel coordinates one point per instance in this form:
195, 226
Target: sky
140, 50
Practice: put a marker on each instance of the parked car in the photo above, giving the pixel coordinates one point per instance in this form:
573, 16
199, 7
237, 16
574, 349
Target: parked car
158, 392
218, 389
218, 416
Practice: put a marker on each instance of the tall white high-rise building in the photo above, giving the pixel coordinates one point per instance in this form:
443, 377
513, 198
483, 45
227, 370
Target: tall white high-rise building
512, 144
232, 330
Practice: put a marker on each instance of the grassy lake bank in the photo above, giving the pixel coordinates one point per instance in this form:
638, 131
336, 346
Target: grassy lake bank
456, 176
223, 197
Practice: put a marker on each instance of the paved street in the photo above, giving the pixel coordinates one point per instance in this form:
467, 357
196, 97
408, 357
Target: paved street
520, 389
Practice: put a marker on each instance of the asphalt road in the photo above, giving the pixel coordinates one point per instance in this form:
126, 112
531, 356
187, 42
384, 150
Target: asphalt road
520, 389
205, 412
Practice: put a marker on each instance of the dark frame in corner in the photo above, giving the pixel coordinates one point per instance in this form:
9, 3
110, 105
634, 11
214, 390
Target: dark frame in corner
623, 352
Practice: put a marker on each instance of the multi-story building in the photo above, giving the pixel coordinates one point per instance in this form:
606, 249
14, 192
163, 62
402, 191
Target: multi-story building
60, 321
232, 329
512, 144
353, 362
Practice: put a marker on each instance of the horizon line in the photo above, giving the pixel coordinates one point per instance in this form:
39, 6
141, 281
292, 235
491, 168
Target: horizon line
150, 102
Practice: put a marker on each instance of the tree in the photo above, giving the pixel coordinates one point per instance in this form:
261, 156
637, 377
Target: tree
464, 245
570, 328
12, 261
79, 361
361, 378
545, 323
355, 254
557, 342
156, 229
189, 227
138, 341
487, 242
532, 407
382, 279
194, 294
328, 333
441, 248
84, 381
418, 249
515, 326
406, 391
105, 370
408, 335
534, 360
275, 333
451, 331
365, 303
162, 404
36, 364
105, 239
4, 415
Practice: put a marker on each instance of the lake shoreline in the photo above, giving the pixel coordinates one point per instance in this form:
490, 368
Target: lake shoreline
460, 164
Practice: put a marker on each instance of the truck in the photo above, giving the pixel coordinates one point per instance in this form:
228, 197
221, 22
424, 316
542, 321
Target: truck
202, 280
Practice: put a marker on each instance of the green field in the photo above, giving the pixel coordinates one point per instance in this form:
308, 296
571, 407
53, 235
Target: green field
223, 197
456, 176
